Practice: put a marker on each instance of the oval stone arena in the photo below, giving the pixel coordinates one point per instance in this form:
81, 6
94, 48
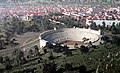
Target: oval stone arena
69, 36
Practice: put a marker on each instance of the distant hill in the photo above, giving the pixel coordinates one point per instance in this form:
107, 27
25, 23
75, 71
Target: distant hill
3, 1
45, 2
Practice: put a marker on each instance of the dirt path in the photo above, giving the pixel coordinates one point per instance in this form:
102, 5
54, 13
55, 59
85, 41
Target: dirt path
22, 38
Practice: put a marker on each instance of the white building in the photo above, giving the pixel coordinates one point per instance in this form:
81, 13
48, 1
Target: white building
27, 17
100, 22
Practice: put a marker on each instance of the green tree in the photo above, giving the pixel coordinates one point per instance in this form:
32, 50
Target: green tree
30, 53
76, 45
51, 57
84, 49
82, 69
19, 57
93, 25
114, 30
104, 25
49, 67
7, 59
1, 59
7, 64
116, 40
36, 50
68, 53
68, 66
105, 38
45, 51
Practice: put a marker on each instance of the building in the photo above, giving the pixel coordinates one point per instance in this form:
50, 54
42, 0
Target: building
100, 22
69, 37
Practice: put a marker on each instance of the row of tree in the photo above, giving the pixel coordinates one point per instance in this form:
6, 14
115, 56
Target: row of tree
114, 28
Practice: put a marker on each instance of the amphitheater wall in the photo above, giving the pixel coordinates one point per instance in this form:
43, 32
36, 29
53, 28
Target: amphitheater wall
47, 33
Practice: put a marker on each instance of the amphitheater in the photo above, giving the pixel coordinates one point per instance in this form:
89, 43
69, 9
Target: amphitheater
69, 37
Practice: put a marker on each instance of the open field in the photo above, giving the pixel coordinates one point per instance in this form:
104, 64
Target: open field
29, 35
20, 39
